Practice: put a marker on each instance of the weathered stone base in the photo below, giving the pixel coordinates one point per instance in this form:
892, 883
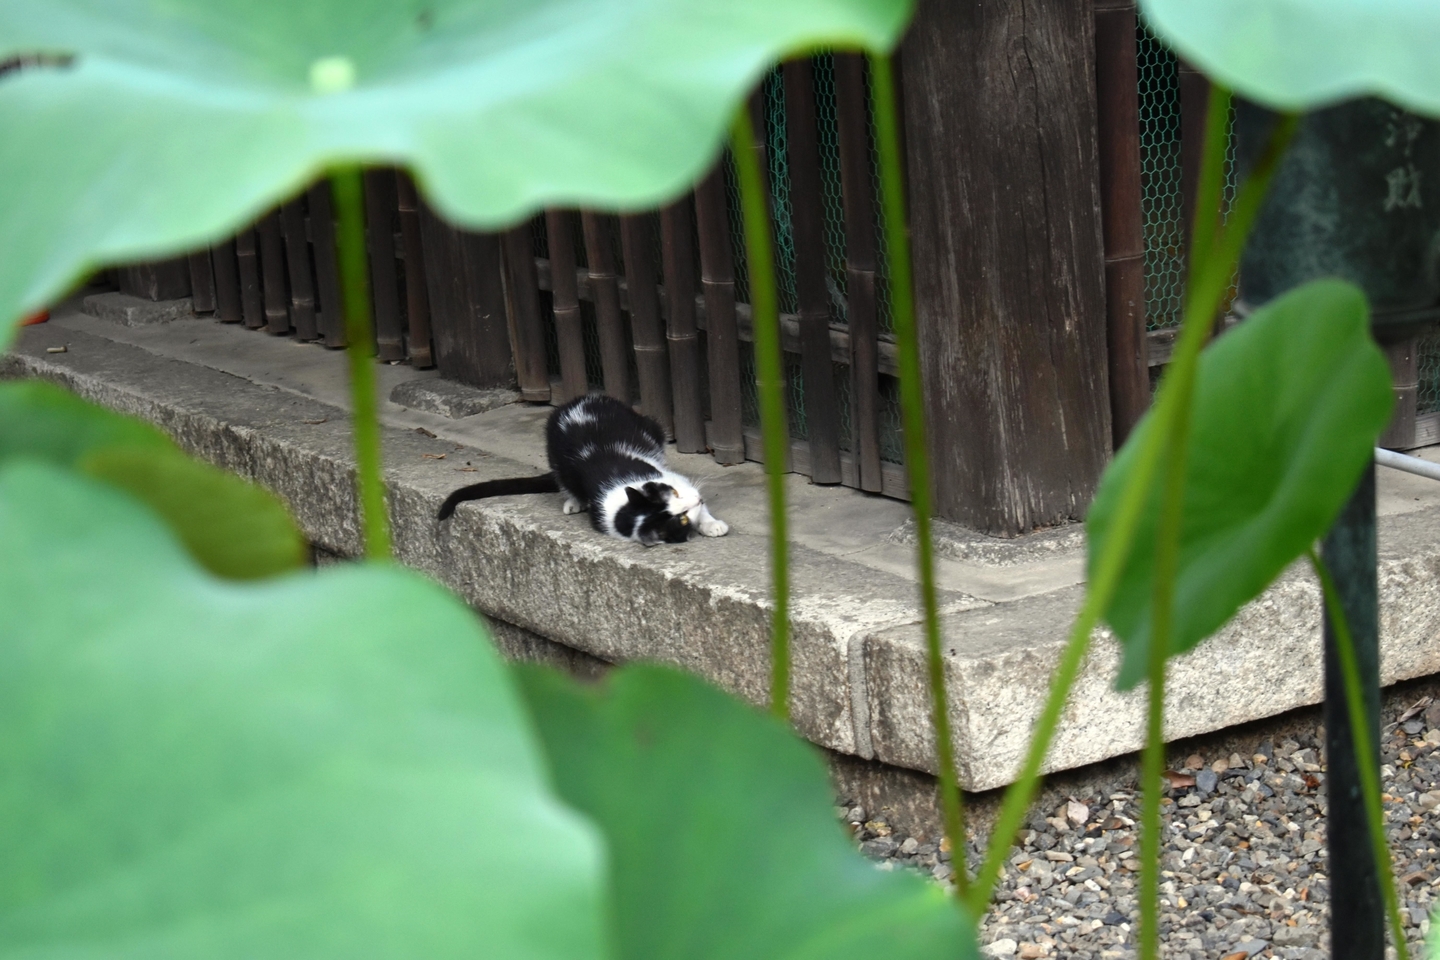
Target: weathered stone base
136, 311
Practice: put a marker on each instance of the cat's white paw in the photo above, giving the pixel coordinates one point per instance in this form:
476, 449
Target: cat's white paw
572, 506
710, 527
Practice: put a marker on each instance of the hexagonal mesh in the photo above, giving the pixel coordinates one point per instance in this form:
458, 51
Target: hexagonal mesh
1162, 199
1428, 359
778, 174
1160, 189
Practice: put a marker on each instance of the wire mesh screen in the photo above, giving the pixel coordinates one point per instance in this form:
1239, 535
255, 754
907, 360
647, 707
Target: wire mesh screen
1162, 180
1161, 193
778, 173
1428, 360
774, 137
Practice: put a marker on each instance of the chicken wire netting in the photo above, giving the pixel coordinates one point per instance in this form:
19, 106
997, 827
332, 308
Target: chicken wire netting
1161, 179
772, 93
1428, 361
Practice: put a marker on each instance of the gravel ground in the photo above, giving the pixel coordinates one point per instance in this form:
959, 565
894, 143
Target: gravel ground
1244, 862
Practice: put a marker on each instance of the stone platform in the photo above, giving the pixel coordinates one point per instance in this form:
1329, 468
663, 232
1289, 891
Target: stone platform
275, 410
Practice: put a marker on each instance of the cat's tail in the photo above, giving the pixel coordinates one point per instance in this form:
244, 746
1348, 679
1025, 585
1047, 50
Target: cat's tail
544, 483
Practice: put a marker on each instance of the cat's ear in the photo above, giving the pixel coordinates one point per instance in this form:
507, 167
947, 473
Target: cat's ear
636, 498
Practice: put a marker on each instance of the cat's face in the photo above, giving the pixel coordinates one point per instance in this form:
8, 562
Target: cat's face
664, 513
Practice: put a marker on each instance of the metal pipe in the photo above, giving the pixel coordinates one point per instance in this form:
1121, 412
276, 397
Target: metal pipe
1399, 461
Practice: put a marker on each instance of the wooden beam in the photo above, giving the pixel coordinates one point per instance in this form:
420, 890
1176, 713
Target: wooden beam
1117, 98
822, 408
1000, 119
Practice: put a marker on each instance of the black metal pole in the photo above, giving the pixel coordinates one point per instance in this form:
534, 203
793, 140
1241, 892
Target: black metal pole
1357, 910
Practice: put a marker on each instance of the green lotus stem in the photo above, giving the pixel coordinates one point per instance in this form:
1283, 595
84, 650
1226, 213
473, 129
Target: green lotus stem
345, 185
1152, 765
1365, 757
1203, 302
770, 377
917, 452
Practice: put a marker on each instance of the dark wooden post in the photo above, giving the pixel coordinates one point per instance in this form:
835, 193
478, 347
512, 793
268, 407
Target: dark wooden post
527, 335
722, 331
467, 303
302, 284
417, 293
1194, 104
565, 300
227, 282
652, 361
1117, 98
677, 227
1009, 271
327, 274
1357, 913
202, 282
822, 409
605, 288
380, 211
857, 185
252, 303
272, 275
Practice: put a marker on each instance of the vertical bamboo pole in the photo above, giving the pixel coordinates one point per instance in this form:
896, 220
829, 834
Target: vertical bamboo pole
252, 302
327, 273
1194, 96
605, 288
526, 332
202, 282
637, 239
272, 275
227, 282
858, 189
677, 226
822, 407
722, 333
1118, 103
565, 298
302, 284
380, 209
417, 290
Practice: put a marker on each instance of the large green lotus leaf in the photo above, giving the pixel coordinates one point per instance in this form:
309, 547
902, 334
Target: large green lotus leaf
179, 119
1287, 409
723, 841
235, 528
1302, 54
327, 765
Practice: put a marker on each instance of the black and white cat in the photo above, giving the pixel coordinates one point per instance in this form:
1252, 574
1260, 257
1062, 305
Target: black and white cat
609, 460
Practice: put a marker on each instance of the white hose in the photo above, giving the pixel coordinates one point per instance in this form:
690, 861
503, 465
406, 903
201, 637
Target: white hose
1399, 461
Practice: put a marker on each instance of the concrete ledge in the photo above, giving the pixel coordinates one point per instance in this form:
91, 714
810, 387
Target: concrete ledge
450, 399
135, 311
273, 410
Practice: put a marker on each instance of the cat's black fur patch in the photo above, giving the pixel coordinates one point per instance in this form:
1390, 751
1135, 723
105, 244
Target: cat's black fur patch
597, 447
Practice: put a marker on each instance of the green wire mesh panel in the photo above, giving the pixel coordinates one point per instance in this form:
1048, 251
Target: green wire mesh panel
774, 134
1160, 179
1428, 360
